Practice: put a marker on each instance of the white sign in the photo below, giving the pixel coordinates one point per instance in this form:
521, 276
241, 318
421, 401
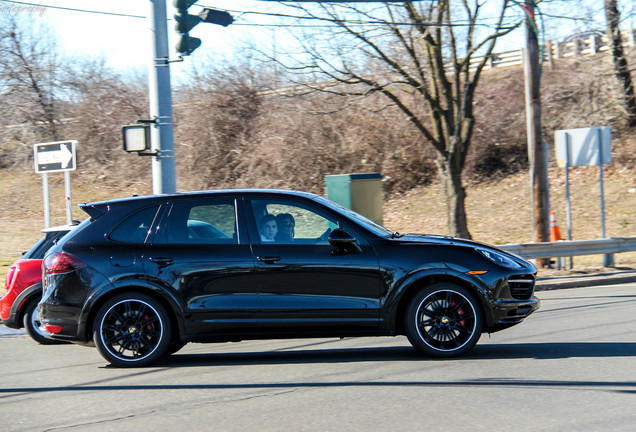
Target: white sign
584, 146
55, 156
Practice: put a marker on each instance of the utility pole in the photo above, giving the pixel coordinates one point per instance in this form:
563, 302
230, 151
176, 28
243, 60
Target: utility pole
537, 149
164, 178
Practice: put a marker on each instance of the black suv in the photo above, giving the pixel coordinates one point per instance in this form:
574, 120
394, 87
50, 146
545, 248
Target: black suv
142, 276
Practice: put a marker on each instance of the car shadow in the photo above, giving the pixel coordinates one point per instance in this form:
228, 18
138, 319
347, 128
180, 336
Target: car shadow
406, 353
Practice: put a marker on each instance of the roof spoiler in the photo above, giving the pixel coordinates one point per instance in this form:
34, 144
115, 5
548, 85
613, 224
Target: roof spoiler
95, 210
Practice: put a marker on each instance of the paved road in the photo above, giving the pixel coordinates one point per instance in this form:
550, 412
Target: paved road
569, 367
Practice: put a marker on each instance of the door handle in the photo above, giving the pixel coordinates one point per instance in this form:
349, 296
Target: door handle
268, 259
161, 260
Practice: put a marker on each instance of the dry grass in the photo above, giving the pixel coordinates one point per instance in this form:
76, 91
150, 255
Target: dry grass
499, 212
22, 209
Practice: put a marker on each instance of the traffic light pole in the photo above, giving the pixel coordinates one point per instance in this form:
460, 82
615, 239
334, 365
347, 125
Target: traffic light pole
164, 178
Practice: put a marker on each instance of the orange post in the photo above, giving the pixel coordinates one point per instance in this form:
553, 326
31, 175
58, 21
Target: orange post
555, 235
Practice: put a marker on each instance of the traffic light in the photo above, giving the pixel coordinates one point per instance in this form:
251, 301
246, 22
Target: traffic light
214, 16
185, 22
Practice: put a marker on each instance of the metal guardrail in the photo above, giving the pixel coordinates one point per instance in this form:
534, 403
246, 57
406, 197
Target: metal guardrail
568, 248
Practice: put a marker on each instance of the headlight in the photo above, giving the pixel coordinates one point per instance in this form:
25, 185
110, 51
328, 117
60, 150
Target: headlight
499, 259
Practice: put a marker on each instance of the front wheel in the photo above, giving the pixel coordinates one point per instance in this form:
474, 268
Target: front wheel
132, 330
444, 320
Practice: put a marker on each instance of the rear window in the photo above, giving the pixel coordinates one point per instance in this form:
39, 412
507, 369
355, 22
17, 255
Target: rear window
44, 244
137, 227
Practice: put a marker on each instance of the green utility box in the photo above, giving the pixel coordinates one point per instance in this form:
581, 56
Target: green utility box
361, 193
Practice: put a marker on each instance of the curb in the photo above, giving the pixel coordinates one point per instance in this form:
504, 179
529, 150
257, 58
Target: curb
598, 279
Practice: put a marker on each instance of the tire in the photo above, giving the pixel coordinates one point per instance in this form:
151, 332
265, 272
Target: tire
132, 330
444, 320
34, 327
175, 346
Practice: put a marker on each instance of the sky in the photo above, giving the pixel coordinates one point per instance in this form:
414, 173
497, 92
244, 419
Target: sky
125, 41
118, 31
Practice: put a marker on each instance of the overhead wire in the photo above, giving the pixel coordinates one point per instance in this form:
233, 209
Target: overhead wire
533, 24
40, 5
242, 13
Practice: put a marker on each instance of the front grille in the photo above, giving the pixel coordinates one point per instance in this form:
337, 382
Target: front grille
521, 286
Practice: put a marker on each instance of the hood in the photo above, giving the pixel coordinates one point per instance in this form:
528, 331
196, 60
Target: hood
441, 240
454, 241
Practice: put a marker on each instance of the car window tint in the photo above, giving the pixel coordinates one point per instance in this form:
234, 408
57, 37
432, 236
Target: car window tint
136, 227
201, 223
295, 223
44, 244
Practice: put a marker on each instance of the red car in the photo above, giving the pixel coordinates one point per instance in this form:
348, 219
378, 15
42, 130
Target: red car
18, 308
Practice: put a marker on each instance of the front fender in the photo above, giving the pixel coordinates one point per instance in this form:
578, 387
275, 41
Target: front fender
405, 288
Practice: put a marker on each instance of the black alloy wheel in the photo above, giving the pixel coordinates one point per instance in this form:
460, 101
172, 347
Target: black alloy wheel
444, 320
132, 330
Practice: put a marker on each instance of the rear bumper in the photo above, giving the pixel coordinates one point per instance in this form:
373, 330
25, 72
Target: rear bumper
12, 322
65, 317
5, 307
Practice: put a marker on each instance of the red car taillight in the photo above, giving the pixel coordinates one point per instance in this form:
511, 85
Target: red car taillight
61, 262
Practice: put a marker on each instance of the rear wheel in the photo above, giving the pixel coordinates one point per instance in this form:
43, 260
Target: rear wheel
444, 320
132, 330
34, 327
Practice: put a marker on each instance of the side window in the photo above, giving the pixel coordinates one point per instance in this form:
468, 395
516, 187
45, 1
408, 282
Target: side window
202, 222
291, 223
135, 228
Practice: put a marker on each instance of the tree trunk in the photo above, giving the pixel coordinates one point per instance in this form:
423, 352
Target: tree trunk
621, 69
455, 195
440, 67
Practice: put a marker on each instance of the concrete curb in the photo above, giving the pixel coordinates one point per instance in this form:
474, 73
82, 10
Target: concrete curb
6, 331
588, 280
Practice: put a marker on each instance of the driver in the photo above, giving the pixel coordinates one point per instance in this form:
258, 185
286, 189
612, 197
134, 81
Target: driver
268, 228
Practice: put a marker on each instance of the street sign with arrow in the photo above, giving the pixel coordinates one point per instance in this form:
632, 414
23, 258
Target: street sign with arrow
55, 156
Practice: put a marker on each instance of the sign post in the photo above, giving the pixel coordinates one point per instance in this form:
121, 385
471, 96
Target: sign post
59, 156
581, 147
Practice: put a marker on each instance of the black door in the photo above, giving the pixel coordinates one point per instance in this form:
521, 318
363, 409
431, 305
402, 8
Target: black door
304, 282
204, 257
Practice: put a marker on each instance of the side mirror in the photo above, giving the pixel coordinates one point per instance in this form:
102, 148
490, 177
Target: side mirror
344, 242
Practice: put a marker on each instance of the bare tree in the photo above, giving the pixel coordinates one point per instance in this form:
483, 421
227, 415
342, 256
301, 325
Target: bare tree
100, 102
215, 111
426, 58
29, 67
621, 69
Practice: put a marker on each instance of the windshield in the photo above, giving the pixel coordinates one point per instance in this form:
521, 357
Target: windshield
362, 220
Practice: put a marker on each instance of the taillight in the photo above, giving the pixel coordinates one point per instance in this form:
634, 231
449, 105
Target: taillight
11, 274
61, 262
